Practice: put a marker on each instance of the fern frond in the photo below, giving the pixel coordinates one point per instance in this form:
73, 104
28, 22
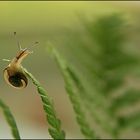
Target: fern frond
10, 120
129, 98
101, 63
89, 104
72, 92
132, 121
55, 130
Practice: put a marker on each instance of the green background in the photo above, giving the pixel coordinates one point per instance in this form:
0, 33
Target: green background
42, 22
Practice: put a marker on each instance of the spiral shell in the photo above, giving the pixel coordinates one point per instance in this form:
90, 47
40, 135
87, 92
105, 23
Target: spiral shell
16, 79
13, 73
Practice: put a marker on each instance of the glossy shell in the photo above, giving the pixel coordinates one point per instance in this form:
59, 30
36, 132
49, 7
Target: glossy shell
16, 79
13, 73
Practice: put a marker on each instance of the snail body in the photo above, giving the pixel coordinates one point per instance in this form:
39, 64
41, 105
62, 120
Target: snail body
13, 73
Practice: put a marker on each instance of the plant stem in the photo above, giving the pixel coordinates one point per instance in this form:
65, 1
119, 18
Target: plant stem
10, 119
55, 130
72, 92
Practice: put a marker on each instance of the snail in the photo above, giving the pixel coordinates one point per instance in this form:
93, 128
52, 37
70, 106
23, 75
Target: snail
13, 73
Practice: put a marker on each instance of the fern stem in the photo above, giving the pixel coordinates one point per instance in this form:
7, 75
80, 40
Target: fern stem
80, 116
10, 119
89, 103
55, 130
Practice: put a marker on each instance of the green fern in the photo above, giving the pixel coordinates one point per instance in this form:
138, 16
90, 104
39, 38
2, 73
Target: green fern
95, 64
10, 119
72, 92
55, 129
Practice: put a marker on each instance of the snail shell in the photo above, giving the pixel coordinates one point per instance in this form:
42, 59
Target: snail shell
13, 73
16, 79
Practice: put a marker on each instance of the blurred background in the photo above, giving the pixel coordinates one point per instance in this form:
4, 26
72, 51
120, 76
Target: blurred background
42, 22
